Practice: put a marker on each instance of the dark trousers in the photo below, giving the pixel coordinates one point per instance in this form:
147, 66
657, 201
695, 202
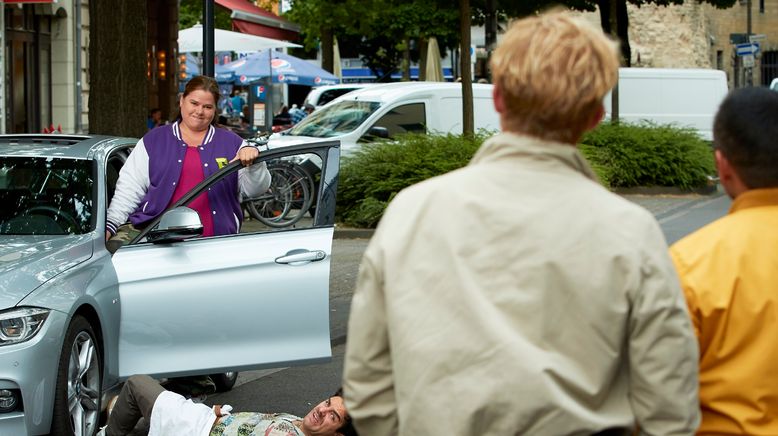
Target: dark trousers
136, 400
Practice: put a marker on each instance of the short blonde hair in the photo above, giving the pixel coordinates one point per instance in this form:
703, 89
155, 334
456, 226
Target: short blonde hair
553, 71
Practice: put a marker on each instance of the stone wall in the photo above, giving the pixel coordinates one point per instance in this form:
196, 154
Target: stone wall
697, 35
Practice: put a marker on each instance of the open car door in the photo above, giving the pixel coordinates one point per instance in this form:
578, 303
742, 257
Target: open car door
259, 298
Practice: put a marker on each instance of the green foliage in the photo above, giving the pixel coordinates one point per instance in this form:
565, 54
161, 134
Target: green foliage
622, 155
629, 155
374, 175
190, 13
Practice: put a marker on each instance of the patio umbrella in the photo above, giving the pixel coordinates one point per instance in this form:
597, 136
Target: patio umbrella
191, 40
434, 71
285, 69
337, 70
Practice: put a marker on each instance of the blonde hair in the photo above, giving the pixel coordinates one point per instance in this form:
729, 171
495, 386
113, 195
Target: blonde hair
553, 71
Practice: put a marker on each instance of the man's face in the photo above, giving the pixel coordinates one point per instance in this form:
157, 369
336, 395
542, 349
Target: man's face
326, 418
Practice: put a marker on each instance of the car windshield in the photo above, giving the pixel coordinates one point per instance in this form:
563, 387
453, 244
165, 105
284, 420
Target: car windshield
335, 119
46, 196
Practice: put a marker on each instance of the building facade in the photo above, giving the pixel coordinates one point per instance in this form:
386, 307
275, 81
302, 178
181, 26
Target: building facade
697, 35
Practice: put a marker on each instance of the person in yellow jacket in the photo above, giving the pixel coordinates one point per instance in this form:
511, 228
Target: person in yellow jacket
729, 273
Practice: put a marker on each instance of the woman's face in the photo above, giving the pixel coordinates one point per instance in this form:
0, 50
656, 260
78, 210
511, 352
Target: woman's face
198, 109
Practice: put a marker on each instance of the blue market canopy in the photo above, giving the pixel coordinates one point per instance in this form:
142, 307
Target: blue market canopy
285, 69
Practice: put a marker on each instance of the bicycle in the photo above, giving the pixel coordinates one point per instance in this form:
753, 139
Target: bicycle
289, 197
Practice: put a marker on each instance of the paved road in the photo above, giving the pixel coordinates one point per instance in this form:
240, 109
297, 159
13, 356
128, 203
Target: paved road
296, 390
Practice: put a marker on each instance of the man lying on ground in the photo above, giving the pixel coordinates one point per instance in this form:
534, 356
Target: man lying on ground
170, 414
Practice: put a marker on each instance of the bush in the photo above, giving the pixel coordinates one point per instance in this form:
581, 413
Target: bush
622, 155
371, 177
629, 155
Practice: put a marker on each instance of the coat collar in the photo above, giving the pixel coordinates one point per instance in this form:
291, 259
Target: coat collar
755, 198
177, 132
513, 145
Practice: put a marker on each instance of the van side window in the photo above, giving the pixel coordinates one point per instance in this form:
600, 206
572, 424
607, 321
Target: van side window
408, 118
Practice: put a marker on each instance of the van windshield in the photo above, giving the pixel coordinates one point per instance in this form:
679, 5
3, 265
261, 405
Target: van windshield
335, 119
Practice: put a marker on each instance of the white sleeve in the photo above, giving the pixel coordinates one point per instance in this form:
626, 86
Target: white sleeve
253, 180
132, 185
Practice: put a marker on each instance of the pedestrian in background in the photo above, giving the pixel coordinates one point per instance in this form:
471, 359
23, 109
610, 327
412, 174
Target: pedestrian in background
517, 295
729, 273
154, 119
302, 113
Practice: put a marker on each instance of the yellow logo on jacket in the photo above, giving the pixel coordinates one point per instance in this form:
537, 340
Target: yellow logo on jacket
222, 162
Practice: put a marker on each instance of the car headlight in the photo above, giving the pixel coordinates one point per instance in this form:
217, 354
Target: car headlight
21, 324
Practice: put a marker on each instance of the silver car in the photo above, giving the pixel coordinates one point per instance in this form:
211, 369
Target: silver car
77, 315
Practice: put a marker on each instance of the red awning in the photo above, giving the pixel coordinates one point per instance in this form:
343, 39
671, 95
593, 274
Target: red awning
253, 20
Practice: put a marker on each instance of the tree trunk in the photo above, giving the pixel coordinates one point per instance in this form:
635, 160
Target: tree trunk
117, 67
622, 25
327, 50
406, 59
468, 128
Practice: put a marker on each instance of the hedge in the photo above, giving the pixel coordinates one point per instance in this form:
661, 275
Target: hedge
623, 155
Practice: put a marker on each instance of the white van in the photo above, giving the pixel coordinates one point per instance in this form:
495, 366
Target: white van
320, 95
382, 111
685, 97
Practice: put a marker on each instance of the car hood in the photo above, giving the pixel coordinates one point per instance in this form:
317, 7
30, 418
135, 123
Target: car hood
26, 262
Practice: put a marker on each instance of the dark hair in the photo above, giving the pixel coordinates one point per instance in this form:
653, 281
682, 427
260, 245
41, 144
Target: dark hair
745, 131
203, 83
153, 110
347, 429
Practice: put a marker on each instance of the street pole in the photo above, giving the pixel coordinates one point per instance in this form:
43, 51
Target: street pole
749, 69
208, 68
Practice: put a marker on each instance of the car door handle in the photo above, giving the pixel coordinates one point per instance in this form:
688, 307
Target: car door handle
299, 257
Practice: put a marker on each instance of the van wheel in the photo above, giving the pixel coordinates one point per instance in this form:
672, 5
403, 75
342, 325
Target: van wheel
79, 382
224, 382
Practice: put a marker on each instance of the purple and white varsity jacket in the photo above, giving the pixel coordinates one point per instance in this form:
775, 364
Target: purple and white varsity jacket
148, 178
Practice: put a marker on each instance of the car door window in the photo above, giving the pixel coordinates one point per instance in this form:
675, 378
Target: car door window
408, 118
291, 202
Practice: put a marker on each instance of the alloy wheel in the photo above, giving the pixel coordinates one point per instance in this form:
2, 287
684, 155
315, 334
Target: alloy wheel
83, 385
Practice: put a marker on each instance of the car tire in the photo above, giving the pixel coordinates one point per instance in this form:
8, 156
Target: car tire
224, 382
79, 382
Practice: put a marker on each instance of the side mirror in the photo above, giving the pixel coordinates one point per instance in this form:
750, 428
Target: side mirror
176, 225
379, 132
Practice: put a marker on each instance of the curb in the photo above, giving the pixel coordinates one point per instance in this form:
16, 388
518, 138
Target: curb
712, 188
353, 233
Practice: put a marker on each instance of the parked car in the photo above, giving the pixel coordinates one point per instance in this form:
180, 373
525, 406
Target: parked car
77, 317
774, 84
320, 95
382, 111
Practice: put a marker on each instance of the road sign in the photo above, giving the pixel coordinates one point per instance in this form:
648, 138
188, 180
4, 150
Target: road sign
748, 61
749, 48
757, 37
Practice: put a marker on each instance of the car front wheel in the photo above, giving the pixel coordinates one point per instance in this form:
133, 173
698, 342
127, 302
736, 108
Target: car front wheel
224, 382
79, 382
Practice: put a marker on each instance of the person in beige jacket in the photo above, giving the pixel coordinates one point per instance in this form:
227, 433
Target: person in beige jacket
517, 295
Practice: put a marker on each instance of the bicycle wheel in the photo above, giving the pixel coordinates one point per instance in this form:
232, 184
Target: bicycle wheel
287, 199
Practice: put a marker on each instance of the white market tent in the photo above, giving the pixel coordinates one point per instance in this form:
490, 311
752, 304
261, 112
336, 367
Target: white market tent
191, 40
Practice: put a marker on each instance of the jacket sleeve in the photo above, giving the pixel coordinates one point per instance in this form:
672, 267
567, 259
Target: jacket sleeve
132, 185
367, 374
663, 356
253, 180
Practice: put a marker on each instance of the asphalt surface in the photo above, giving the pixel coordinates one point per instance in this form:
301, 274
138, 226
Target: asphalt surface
296, 390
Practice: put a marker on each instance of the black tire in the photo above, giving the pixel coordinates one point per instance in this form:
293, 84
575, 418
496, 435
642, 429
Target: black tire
225, 381
79, 382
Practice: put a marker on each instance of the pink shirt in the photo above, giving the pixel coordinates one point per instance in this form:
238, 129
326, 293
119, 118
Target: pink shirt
191, 175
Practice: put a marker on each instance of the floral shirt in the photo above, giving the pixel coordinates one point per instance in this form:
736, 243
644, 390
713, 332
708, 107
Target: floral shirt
257, 424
